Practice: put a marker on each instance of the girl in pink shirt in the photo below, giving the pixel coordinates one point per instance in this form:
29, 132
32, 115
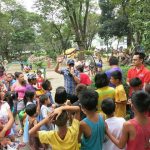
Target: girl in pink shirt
20, 88
136, 132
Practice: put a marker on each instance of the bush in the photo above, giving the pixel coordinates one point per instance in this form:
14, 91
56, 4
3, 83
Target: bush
124, 73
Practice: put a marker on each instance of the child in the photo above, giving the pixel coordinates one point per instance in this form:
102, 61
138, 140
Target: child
79, 89
31, 121
47, 87
60, 96
120, 94
115, 124
29, 98
92, 127
84, 78
136, 84
40, 80
136, 132
66, 138
31, 82
45, 110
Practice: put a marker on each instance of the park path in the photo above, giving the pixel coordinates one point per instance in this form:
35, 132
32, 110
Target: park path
55, 78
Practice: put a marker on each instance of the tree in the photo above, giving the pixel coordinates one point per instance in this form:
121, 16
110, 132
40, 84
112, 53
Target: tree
73, 12
113, 20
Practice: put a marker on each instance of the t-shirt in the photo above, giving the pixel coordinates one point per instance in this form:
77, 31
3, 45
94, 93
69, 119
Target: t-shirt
44, 113
120, 96
69, 82
20, 90
70, 142
141, 140
115, 125
4, 113
143, 73
30, 87
39, 82
109, 72
103, 93
84, 79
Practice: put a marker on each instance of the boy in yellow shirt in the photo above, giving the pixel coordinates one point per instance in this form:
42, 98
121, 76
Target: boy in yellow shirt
120, 94
66, 138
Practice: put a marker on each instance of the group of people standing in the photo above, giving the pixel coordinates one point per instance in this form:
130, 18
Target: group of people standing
78, 117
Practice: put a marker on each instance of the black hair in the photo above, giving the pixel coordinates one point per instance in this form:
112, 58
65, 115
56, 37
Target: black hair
80, 68
9, 98
31, 77
135, 82
80, 88
62, 119
39, 71
101, 80
60, 95
43, 98
113, 61
29, 96
108, 106
117, 75
30, 109
141, 101
141, 55
46, 85
17, 74
89, 99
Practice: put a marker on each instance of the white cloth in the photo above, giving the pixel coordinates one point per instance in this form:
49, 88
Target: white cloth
4, 107
44, 112
115, 125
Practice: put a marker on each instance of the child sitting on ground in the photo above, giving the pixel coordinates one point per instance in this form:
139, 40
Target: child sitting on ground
45, 110
66, 138
92, 127
136, 132
120, 94
115, 124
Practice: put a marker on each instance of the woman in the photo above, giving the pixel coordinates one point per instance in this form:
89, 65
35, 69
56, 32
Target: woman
6, 117
20, 88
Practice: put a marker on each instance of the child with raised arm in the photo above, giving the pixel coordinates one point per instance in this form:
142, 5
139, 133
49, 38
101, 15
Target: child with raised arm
120, 94
136, 132
92, 127
115, 124
66, 138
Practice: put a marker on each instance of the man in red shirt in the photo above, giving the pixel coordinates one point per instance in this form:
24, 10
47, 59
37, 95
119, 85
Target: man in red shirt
138, 70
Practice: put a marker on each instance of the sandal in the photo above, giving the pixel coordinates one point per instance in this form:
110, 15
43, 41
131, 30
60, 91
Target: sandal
19, 133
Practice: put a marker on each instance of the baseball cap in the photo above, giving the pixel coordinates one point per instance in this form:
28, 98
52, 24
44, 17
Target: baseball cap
70, 61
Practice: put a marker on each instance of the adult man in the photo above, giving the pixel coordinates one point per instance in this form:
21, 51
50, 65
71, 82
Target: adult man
138, 70
113, 62
71, 76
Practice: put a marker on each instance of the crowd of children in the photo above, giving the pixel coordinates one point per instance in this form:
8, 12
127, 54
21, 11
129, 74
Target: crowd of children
90, 119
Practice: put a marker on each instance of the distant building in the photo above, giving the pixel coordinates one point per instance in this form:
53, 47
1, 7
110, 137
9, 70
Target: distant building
100, 44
